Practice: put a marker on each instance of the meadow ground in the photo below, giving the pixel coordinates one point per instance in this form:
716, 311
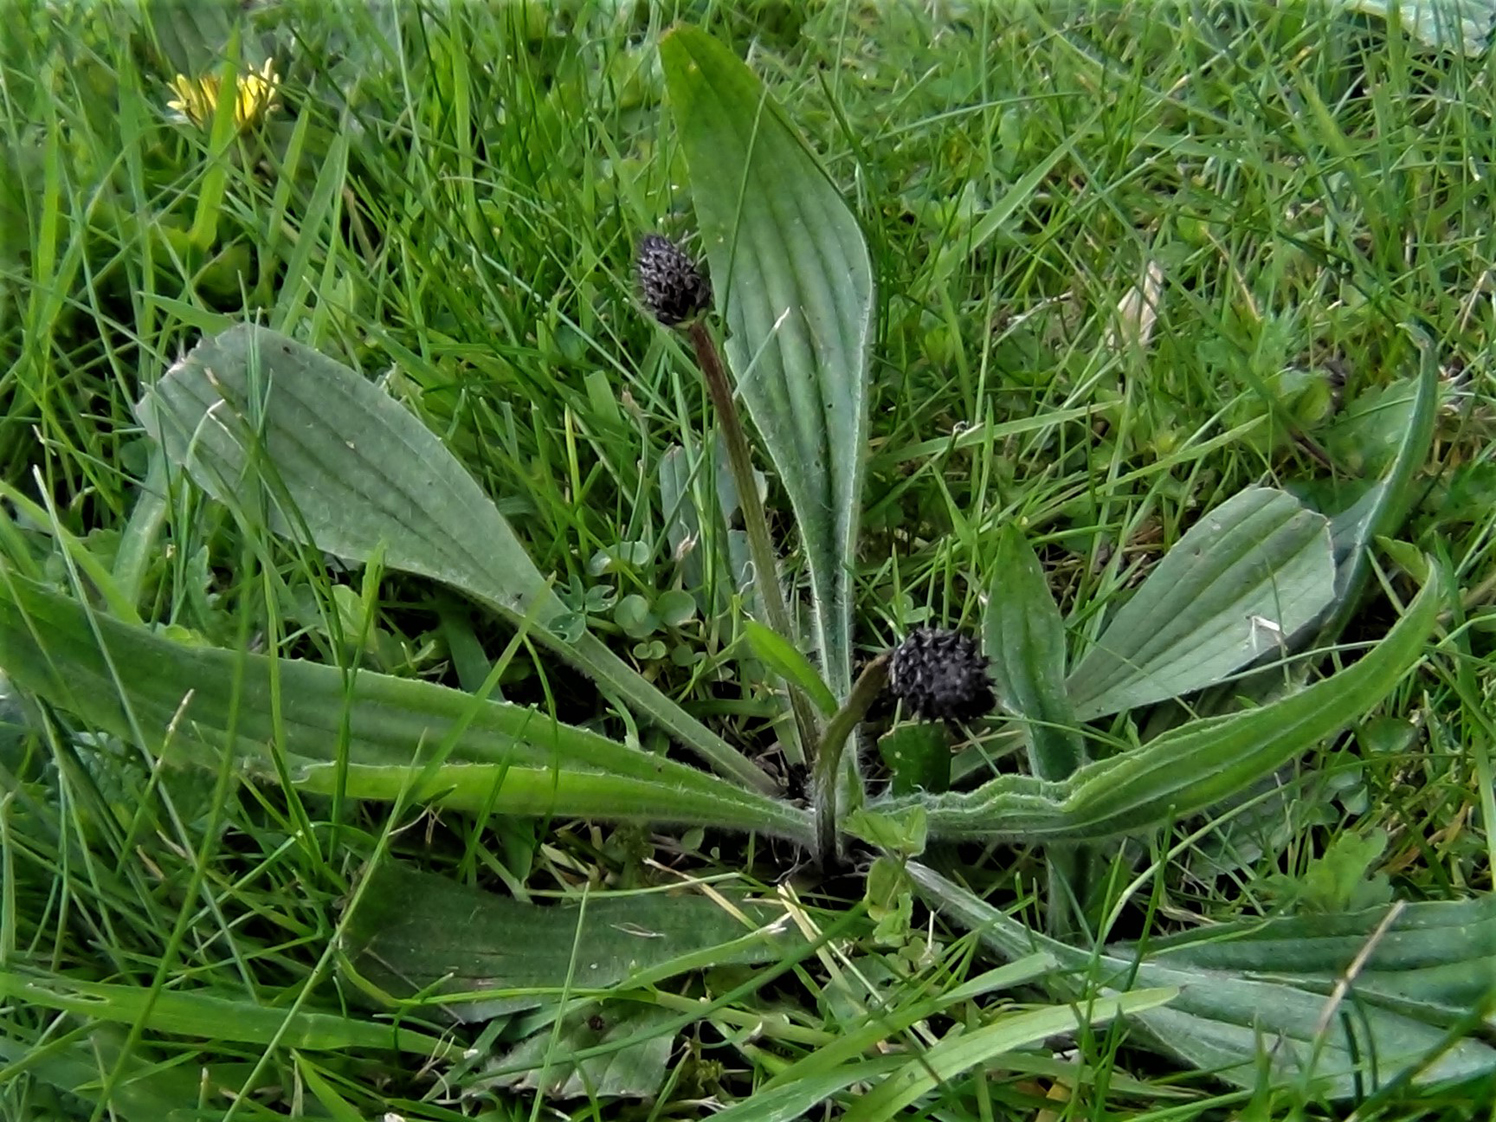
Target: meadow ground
1129, 259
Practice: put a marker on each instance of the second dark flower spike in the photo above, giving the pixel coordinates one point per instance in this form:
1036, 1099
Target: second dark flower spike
941, 675
674, 289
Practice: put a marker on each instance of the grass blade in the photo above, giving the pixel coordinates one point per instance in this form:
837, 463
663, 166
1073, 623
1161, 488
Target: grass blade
148, 1092
211, 1016
963, 1050
786, 661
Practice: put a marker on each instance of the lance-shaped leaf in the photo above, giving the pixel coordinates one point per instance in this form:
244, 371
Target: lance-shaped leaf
262, 422
1380, 511
195, 702
792, 270
1025, 641
1434, 962
1249, 575
672, 797
1384, 507
1184, 770
1240, 1027
419, 933
626, 1048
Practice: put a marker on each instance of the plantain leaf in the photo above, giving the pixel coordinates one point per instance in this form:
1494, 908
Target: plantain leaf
502, 955
185, 700
791, 267
1025, 639
1435, 962
1248, 576
918, 757
1462, 26
359, 471
1186, 769
1380, 511
625, 1049
1385, 506
261, 421
1241, 1027
573, 792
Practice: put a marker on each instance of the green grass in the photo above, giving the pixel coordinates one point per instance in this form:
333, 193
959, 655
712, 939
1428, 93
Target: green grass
448, 200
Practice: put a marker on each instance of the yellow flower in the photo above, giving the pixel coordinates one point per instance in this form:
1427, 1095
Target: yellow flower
254, 96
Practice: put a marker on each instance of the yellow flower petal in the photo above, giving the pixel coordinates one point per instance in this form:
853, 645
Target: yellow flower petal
254, 96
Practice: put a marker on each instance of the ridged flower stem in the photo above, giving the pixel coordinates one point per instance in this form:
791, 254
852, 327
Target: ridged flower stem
756, 525
870, 683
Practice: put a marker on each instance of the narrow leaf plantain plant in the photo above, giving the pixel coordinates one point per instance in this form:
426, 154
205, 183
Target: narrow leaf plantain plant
273, 429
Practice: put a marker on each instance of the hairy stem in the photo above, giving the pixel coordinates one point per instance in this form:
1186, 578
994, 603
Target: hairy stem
755, 523
865, 691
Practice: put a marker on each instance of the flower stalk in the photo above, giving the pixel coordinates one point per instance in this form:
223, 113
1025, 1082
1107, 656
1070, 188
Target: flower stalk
755, 521
678, 294
870, 683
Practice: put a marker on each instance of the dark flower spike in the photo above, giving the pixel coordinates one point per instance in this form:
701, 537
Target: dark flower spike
673, 288
941, 675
